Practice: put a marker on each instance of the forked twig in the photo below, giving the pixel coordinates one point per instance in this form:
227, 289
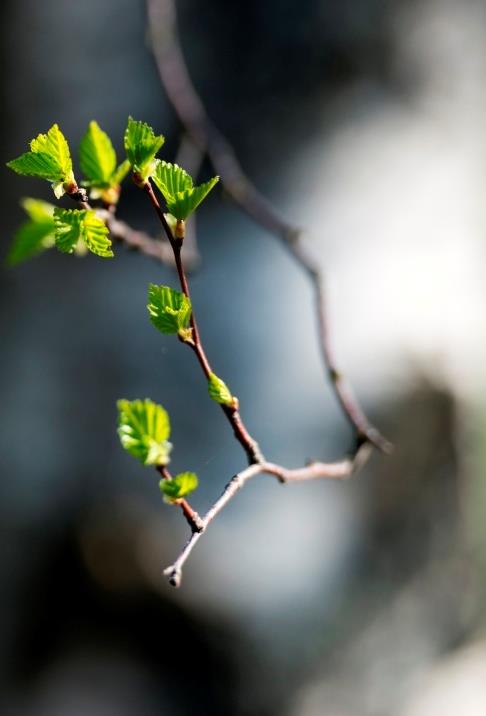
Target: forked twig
315, 470
175, 78
190, 109
208, 140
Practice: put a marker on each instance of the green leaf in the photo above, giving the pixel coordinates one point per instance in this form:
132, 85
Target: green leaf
29, 240
176, 186
170, 310
68, 228
97, 157
179, 486
95, 235
219, 391
141, 146
171, 179
76, 225
38, 210
121, 172
55, 144
36, 165
34, 235
49, 158
144, 429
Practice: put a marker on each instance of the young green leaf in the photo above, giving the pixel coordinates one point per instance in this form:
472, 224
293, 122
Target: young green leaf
29, 240
38, 210
141, 146
121, 172
219, 391
49, 158
95, 235
97, 157
171, 179
144, 429
76, 225
179, 486
68, 228
176, 186
170, 310
34, 235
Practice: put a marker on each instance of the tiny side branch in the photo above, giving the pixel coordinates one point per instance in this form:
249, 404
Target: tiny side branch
340, 470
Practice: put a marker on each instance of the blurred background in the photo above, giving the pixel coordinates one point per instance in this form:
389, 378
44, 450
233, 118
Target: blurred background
363, 121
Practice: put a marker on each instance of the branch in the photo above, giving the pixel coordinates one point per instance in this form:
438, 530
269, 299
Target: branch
316, 470
122, 231
154, 248
137, 240
175, 78
240, 431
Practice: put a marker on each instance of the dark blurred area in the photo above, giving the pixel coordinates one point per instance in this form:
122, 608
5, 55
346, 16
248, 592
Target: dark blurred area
363, 121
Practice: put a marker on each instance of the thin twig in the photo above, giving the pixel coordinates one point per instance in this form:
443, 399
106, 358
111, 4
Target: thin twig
80, 196
192, 517
175, 78
316, 470
137, 240
154, 248
248, 443
191, 158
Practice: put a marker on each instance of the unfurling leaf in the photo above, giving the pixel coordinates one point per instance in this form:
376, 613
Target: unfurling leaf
97, 157
176, 186
219, 391
121, 172
144, 429
34, 235
98, 164
170, 310
179, 486
74, 226
141, 146
49, 158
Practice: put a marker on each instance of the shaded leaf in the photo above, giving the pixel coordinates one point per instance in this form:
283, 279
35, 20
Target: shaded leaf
121, 172
34, 235
30, 239
38, 210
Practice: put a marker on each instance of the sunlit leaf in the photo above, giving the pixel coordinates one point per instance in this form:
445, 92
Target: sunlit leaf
97, 157
49, 158
73, 225
179, 486
141, 146
176, 186
170, 310
144, 429
219, 391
